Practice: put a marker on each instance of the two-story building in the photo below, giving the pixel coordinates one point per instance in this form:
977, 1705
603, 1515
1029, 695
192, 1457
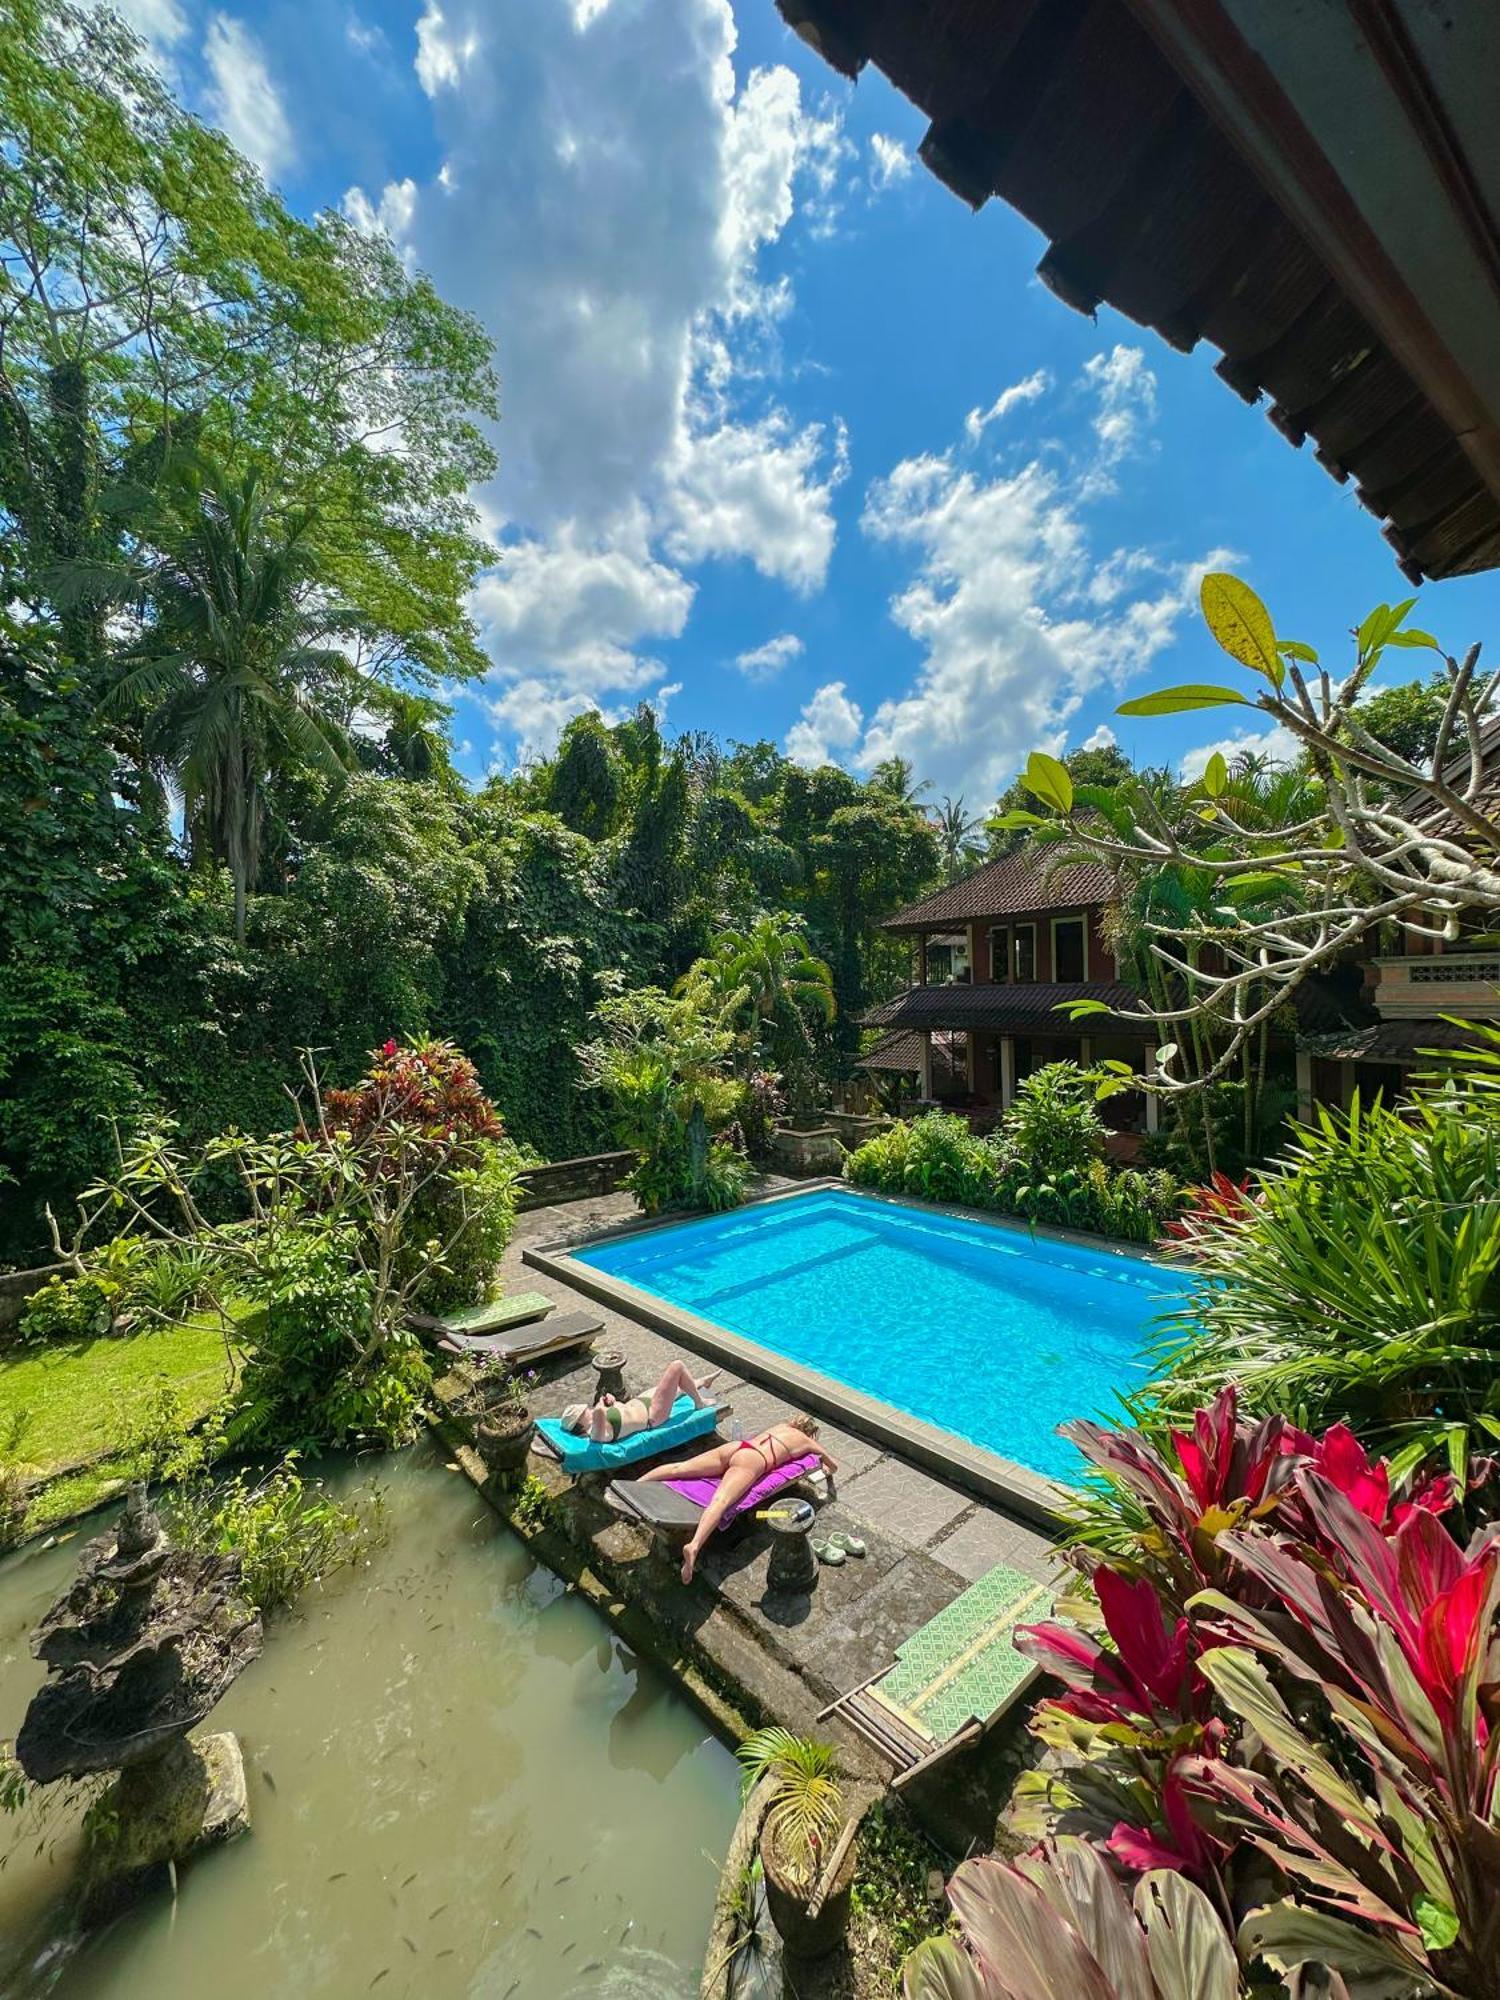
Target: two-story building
995, 957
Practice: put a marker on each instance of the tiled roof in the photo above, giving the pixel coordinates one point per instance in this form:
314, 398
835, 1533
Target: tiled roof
1387, 1041
1015, 884
1008, 1009
899, 1051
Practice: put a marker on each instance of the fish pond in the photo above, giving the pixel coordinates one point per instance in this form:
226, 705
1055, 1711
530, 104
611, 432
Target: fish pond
461, 1782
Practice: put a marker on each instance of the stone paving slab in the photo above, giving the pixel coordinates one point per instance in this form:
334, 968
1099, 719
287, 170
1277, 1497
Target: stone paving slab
906, 1499
983, 1538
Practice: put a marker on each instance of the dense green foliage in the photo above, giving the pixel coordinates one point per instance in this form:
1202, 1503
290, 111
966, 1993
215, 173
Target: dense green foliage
1362, 1280
1044, 1163
288, 1532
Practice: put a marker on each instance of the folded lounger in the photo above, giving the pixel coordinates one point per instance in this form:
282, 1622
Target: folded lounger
686, 1422
673, 1506
529, 1343
518, 1309
953, 1677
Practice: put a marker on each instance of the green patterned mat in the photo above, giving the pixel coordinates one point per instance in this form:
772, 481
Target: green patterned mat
962, 1666
520, 1309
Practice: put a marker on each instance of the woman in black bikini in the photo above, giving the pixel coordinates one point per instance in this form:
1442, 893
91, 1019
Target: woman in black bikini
738, 1467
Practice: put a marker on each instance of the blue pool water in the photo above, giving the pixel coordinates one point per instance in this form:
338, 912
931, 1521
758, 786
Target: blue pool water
975, 1327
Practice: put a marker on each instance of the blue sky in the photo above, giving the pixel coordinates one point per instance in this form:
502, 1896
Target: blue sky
788, 432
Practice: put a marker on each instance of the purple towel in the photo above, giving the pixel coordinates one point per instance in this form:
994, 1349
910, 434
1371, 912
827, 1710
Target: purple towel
701, 1491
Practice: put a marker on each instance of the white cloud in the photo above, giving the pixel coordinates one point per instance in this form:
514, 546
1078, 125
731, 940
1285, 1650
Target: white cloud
889, 162
578, 609
1126, 391
1000, 601
160, 23
393, 213
764, 662
759, 490
366, 36
636, 332
830, 722
243, 99
442, 53
1275, 742
1102, 738
1026, 391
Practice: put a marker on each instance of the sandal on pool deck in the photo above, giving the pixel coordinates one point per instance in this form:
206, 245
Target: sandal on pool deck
852, 1545
829, 1552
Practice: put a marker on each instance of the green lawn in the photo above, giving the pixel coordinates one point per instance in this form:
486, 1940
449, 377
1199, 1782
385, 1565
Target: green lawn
86, 1399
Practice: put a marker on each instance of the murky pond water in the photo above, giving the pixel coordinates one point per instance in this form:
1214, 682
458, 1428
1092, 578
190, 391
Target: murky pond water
462, 1783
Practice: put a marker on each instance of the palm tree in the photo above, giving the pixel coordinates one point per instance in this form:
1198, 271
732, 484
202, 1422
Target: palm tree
896, 775
415, 742
956, 830
222, 677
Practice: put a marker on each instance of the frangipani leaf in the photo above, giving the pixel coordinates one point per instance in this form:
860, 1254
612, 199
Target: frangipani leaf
1049, 780
1216, 775
1241, 624
1177, 700
1293, 649
1017, 817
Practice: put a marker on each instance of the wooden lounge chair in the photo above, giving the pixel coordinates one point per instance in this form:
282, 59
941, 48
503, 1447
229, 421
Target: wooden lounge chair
673, 1508
519, 1309
953, 1678
524, 1345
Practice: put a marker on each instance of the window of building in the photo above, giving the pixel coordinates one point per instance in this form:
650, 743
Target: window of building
1070, 950
948, 961
1023, 953
1000, 954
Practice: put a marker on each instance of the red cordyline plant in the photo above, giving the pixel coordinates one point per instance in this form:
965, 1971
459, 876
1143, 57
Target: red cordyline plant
1291, 1698
1209, 1207
429, 1089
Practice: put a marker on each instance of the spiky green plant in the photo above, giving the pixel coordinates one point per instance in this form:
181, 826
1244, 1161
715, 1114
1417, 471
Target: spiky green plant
806, 1807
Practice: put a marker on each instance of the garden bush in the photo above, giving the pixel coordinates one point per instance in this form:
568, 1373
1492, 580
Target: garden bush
1283, 1696
1360, 1280
420, 1114
1044, 1163
71, 1309
288, 1532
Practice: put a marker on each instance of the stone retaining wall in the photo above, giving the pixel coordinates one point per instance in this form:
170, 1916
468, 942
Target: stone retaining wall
573, 1180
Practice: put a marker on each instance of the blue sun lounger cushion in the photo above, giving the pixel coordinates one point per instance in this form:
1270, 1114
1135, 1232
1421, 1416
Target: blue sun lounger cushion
686, 1422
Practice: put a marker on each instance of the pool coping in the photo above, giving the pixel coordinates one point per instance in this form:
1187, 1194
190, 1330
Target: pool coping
1042, 1501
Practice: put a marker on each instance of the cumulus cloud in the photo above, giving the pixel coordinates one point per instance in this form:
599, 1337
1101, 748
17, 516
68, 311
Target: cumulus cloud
1125, 392
242, 98
1000, 602
635, 330
764, 662
1102, 738
890, 162
1027, 391
1275, 742
829, 723
161, 23
761, 490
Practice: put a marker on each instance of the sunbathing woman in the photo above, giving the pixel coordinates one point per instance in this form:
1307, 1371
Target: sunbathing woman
607, 1420
738, 1467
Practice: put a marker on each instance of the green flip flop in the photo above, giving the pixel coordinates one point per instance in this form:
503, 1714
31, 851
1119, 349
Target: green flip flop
829, 1552
852, 1545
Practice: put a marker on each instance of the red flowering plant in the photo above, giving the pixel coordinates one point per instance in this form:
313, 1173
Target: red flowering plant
1208, 1208
420, 1119
1289, 1682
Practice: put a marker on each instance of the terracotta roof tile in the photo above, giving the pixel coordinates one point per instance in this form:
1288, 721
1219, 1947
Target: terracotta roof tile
1008, 1009
1011, 886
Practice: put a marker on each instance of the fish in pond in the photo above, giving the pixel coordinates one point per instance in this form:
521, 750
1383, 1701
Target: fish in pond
269, 1779
532, 1931
342, 1875
560, 1880
378, 1977
437, 1912
594, 1965
411, 1878
409, 1945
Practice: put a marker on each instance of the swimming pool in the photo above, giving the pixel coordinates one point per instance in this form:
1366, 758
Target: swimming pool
975, 1327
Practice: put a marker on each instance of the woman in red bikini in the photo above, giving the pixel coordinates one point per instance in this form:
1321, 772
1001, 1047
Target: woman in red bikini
738, 1467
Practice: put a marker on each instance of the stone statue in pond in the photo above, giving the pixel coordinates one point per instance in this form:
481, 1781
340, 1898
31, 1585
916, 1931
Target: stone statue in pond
138, 1650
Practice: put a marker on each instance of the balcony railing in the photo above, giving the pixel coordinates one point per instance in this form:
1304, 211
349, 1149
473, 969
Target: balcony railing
1466, 983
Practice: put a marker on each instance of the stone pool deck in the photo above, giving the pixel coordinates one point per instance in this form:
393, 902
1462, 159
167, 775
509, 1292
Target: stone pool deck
776, 1658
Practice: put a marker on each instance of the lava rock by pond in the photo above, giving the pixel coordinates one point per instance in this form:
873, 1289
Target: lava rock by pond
139, 1649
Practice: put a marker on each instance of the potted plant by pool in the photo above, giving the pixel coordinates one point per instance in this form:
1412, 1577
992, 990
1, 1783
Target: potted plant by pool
496, 1410
807, 1847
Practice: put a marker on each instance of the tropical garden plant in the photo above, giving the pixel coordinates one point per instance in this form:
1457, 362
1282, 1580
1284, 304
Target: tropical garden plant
1359, 1278
1278, 1689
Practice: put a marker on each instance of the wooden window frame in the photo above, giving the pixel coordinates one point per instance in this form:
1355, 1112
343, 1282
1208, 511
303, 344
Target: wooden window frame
1083, 922
1010, 958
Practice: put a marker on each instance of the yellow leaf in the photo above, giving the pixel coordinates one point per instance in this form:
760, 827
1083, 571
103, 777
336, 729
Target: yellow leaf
1241, 623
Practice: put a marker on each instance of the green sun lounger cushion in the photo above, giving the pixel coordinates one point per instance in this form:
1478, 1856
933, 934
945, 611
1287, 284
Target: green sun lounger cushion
518, 1309
686, 1422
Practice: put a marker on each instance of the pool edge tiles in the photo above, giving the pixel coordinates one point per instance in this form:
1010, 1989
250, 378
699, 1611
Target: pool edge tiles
978, 1467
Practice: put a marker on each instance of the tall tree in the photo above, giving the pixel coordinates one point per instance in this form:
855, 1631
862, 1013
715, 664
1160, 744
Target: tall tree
225, 672
956, 830
154, 290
